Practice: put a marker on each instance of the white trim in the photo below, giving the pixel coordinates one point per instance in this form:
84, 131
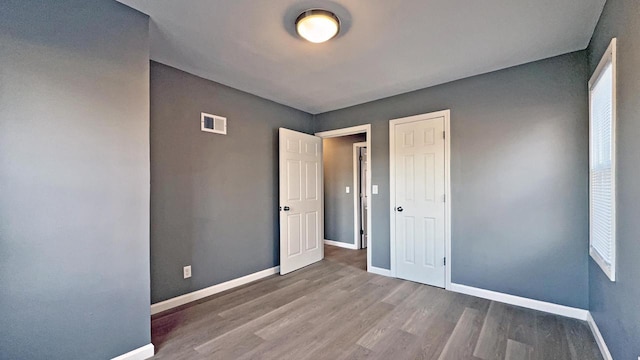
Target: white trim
202, 293
380, 271
609, 56
447, 203
599, 339
357, 238
548, 307
340, 244
446, 114
141, 353
353, 131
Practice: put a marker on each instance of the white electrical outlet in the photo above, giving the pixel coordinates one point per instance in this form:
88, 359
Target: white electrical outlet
348, 189
186, 271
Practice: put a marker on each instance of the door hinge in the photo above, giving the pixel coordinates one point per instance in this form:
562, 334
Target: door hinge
444, 134
445, 261
361, 232
360, 158
444, 198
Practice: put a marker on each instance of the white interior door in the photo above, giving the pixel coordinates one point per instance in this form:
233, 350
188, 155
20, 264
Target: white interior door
419, 162
301, 215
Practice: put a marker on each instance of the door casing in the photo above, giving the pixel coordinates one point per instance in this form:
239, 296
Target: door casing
447, 185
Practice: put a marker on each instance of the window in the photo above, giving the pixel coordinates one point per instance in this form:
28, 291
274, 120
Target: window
602, 150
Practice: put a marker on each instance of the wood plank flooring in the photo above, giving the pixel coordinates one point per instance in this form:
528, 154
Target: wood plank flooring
334, 309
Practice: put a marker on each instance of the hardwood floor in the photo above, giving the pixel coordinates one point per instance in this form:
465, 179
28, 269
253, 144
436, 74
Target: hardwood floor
334, 309
354, 258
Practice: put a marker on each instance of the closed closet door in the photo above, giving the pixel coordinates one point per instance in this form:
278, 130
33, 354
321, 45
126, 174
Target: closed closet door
419, 162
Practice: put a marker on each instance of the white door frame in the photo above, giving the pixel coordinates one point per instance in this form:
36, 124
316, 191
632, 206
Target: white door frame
356, 194
447, 187
366, 129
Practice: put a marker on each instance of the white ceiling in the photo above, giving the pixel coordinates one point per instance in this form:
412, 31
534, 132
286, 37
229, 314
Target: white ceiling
385, 48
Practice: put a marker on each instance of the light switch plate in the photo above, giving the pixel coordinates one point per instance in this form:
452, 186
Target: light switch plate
186, 271
374, 189
348, 190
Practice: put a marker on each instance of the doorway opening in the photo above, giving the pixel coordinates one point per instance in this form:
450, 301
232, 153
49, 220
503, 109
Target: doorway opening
360, 194
347, 188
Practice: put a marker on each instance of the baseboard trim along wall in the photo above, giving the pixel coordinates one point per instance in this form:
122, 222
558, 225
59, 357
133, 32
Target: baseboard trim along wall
147, 351
141, 353
552, 308
341, 244
548, 307
379, 271
604, 349
203, 293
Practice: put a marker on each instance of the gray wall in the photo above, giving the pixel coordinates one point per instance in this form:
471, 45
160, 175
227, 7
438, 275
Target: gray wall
338, 174
214, 198
615, 306
74, 179
519, 167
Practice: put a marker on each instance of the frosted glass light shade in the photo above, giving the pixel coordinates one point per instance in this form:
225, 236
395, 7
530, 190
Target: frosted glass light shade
317, 26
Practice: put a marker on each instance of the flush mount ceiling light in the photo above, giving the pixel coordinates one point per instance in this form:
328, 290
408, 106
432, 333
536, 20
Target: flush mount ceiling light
317, 25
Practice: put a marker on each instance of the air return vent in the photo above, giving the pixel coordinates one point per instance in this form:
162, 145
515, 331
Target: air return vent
213, 123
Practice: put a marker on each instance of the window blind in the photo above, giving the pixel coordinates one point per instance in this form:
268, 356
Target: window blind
601, 169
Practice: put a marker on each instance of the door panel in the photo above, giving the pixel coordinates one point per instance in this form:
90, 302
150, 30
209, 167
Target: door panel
301, 218
312, 170
294, 178
419, 196
430, 242
312, 231
409, 240
294, 234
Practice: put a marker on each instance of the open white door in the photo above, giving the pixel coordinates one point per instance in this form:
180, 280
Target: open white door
301, 215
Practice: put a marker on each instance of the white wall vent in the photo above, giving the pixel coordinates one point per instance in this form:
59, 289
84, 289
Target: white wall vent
213, 123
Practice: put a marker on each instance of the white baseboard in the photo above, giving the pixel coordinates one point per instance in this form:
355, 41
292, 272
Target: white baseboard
141, 353
197, 295
379, 271
341, 244
552, 308
599, 339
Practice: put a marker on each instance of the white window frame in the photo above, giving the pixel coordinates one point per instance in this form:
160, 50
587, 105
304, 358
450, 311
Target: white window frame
609, 57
